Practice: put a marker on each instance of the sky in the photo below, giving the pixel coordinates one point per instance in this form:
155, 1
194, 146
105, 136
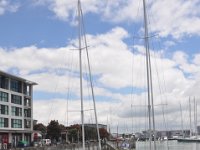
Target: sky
39, 41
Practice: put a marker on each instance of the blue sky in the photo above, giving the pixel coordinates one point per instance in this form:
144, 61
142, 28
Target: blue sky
37, 38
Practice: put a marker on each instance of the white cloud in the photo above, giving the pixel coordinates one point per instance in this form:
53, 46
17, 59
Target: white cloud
167, 17
115, 67
182, 59
175, 18
7, 5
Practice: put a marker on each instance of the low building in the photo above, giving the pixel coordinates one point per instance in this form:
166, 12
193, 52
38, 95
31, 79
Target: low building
16, 109
91, 125
168, 134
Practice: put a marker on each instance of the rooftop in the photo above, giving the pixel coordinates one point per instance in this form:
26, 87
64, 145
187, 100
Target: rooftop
18, 78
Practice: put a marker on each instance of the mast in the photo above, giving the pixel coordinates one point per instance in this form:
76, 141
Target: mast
190, 115
181, 120
195, 117
81, 76
92, 90
149, 80
82, 32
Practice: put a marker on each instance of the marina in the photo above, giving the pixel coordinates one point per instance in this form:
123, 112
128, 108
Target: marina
99, 75
164, 145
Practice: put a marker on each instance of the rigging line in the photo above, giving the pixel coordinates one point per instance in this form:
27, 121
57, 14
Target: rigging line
163, 76
132, 95
91, 83
160, 89
163, 108
52, 111
69, 85
150, 15
88, 90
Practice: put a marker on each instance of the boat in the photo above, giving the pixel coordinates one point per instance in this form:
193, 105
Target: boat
189, 139
128, 143
151, 119
192, 138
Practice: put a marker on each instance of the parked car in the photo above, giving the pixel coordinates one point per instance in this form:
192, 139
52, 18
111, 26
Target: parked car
22, 143
46, 141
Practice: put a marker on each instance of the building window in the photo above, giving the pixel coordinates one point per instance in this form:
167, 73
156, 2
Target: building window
16, 86
16, 123
3, 96
27, 123
4, 122
4, 109
27, 102
27, 89
16, 99
27, 112
4, 82
16, 111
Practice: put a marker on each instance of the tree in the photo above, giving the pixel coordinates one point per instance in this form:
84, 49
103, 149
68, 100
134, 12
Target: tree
40, 127
74, 132
53, 130
62, 127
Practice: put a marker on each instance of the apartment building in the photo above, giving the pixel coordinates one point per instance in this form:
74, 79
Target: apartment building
16, 109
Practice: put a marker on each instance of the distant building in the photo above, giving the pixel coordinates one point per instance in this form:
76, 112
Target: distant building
16, 109
94, 125
198, 130
169, 134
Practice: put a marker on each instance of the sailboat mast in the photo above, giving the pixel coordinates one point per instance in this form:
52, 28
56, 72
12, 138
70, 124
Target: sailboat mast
181, 120
195, 117
93, 98
81, 75
190, 115
91, 82
149, 80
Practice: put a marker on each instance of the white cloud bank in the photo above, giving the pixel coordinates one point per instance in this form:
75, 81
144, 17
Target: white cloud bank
115, 68
167, 17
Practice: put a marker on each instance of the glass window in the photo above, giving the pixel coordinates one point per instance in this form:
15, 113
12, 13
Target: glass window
4, 109
16, 123
3, 96
16, 86
16, 99
4, 82
27, 89
27, 123
16, 111
3, 122
27, 102
27, 112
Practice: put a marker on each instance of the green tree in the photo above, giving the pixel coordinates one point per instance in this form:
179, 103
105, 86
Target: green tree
40, 127
74, 132
73, 135
53, 130
62, 127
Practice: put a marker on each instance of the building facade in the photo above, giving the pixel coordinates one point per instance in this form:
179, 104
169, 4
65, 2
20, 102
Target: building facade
16, 109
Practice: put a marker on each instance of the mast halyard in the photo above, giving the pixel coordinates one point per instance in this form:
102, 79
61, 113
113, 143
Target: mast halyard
81, 75
149, 81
